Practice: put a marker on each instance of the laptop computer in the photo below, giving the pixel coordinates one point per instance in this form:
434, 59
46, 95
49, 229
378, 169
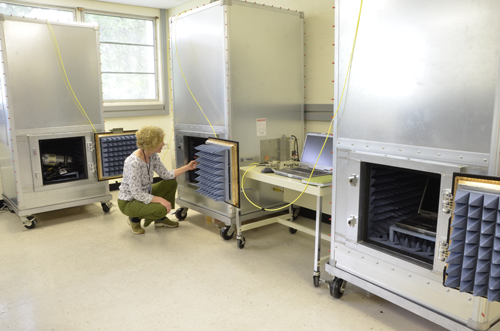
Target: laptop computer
312, 147
426, 220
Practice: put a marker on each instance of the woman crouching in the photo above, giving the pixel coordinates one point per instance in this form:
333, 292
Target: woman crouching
139, 198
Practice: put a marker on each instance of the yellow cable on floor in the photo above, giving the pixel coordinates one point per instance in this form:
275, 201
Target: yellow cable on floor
329, 128
65, 76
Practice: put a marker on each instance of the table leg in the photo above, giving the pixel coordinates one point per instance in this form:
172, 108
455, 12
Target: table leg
317, 242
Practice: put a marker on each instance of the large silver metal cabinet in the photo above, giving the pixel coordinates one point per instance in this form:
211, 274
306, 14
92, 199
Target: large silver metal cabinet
422, 103
243, 62
39, 117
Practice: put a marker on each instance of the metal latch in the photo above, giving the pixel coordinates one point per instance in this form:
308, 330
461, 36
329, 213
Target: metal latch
447, 204
353, 180
90, 146
351, 221
443, 250
92, 167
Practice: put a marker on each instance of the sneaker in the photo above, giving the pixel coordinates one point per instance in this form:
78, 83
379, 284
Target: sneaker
135, 226
165, 222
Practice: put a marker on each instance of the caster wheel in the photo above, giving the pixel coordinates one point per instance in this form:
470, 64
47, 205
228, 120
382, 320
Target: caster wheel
316, 281
296, 211
32, 224
106, 206
181, 214
337, 287
292, 230
224, 233
241, 242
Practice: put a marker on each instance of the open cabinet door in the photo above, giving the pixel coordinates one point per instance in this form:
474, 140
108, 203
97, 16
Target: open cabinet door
473, 264
111, 150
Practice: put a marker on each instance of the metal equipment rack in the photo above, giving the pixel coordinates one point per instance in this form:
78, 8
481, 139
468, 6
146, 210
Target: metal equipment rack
422, 103
40, 126
244, 64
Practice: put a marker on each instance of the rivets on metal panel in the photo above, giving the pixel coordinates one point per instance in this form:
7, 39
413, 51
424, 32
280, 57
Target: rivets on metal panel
447, 290
400, 150
348, 251
439, 154
469, 299
409, 275
352, 144
367, 146
461, 157
392, 269
428, 283
485, 160
418, 152
383, 147
376, 263
362, 257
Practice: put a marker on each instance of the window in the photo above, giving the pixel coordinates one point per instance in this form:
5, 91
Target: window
52, 14
128, 57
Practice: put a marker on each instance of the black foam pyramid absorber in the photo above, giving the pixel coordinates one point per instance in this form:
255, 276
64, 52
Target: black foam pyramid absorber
461, 210
490, 201
469, 262
486, 240
471, 249
488, 227
456, 246
495, 270
457, 234
494, 283
472, 238
481, 278
468, 274
493, 295
485, 253
452, 281
462, 197
496, 257
466, 286
489, 215
476, 199
483, 267
455, 258
480, 290
459, 222
473, 225
454, 270
475, 212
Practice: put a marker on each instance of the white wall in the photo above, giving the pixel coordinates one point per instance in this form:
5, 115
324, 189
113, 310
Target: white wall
319, 55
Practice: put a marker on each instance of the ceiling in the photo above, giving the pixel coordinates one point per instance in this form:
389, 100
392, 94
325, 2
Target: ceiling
161, 4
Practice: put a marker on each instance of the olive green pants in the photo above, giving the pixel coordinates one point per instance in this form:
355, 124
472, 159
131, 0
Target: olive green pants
152, 211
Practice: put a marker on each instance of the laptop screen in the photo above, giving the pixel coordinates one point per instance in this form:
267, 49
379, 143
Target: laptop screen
312, 147
429, 205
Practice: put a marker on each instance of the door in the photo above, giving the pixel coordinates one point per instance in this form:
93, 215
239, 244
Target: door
473, 263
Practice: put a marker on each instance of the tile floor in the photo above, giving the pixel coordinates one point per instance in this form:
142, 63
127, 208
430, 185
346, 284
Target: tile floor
81, 269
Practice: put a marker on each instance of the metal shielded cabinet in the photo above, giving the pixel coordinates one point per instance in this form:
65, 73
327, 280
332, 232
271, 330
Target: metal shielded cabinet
423, 106
244, 64
48, 155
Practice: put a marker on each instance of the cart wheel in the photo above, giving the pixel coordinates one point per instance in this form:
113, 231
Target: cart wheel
337, 287
224, 233
292, 230
106, 206
241, 243
296, 211
181, 214
316, 281
32, 224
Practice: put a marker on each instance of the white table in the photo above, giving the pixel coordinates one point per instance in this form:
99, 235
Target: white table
287, 220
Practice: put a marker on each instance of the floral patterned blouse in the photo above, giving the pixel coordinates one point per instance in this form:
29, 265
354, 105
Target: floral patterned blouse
137, 183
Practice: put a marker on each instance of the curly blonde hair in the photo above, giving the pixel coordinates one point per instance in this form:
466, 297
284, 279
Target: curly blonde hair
149, 137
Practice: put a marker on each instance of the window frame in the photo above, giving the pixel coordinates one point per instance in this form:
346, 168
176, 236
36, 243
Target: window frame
156, 56
44, 6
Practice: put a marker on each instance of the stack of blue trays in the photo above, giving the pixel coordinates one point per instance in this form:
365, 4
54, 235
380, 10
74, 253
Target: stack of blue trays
114, 151
212, 171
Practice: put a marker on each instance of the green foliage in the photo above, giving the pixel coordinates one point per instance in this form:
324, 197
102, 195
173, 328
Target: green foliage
36, 12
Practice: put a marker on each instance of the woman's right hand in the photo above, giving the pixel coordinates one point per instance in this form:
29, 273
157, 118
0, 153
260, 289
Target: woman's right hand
163, 202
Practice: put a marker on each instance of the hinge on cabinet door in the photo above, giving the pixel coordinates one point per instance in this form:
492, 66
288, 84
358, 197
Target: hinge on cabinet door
443, 250
447, 204
92, 167
90, 146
